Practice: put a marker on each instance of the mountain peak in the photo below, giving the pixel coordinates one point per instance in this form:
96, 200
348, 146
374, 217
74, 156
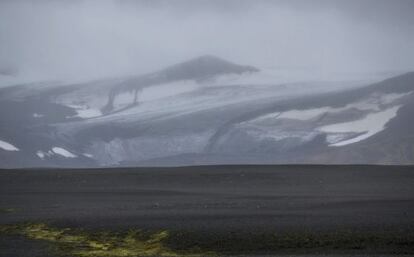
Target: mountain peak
208, 58
204, 67
201, 68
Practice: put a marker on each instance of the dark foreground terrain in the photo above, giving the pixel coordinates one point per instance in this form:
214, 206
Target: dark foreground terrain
210, 210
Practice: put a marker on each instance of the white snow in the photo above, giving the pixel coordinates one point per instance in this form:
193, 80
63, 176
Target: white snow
203, 99
270, 133
41, 154
376, 110
85, 112
264, 118
7, 146
88, 113
37, 115
63, 152
373, 103
369, 125
305, 114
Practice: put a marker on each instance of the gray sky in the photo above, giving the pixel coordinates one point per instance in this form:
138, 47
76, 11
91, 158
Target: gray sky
103, 38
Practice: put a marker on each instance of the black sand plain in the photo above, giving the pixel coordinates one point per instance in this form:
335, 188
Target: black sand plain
305, 210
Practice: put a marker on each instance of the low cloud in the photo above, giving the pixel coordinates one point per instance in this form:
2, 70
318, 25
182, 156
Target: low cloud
91, 39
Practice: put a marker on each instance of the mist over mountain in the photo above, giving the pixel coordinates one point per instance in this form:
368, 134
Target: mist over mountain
199, 69
206, 128
133, 83
207, 110
87, 39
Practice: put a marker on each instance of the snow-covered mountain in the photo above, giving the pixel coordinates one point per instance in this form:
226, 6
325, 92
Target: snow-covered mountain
208, 111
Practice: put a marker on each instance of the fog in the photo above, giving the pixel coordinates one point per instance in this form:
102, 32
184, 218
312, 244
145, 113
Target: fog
94, 39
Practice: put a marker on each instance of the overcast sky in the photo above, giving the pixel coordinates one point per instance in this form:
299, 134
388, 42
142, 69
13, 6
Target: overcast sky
106, 38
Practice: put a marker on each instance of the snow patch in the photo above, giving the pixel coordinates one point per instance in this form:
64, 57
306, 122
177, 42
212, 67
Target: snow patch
41, 154
37, 115
374, 103
85, 112
277, 135
63, 152
369, 126
88, 113
7, 146
305, 114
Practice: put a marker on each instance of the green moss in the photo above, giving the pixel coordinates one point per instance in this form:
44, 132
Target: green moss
7, 210
134, 243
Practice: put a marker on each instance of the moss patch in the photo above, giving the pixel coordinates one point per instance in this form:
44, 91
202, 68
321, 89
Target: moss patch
133, 243
7, 210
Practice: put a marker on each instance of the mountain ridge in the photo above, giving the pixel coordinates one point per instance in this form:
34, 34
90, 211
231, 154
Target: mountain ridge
200, 68
206, 124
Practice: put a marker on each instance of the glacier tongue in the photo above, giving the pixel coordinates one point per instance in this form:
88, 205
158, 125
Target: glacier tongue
368, 126
63, 152
7, 146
